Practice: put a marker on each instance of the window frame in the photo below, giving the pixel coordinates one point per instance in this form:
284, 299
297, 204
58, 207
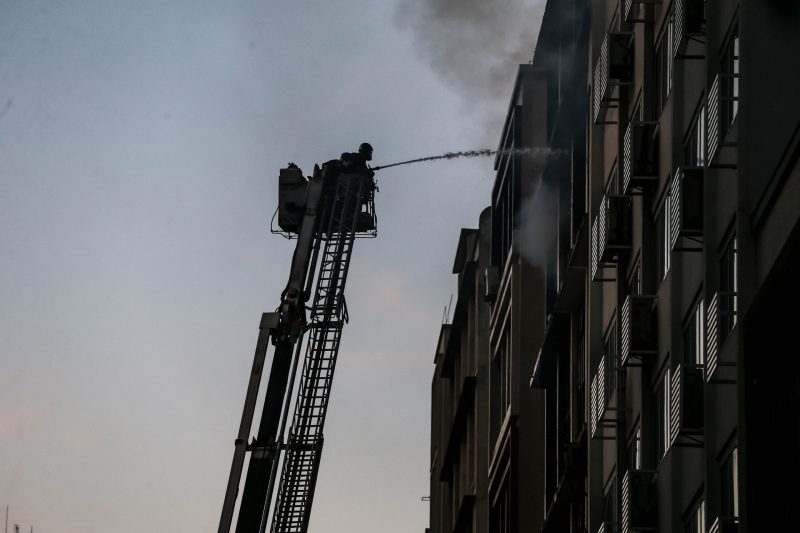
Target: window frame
694, 334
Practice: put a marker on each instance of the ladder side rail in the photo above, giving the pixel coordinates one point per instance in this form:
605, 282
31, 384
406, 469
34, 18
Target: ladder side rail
301, 463
268, 321
285, 336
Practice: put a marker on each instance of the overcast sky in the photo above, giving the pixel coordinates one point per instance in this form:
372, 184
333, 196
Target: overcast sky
140, 144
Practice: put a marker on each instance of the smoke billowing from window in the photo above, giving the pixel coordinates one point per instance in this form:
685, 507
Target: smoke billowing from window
475, 45
538, 225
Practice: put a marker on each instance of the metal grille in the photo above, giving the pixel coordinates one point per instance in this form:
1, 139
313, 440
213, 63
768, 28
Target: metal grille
601, 78
595, 244
627, 157
712, 335
686, 405
594, 400
714, 527
674, 205
714, 131
626, 502
602, 232
602, 389
328, 314
679, 29
628, 12
675, 405
625, 323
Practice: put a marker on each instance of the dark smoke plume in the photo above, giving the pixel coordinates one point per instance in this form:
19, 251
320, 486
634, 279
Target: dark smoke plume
475, 45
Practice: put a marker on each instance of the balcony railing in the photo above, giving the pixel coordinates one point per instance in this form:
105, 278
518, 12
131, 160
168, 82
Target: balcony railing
638, 328
638, 501
613, 68
713, 133
719, 104
611, 231
603, 402
686, 405
639, 155
686, 208
689, 28
720, 308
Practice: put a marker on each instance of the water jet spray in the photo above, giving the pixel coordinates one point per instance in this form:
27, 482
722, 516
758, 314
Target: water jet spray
479, 153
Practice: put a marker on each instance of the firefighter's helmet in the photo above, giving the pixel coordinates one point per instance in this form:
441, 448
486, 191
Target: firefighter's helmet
366, 150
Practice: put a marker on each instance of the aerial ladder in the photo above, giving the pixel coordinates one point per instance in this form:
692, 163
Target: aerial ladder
325, 214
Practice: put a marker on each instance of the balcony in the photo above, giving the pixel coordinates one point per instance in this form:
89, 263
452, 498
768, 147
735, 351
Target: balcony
639, 331
639, 155
686, 406
718, 369
686, 210
639, 503
611, 233
603, 400
614, 69
689, 29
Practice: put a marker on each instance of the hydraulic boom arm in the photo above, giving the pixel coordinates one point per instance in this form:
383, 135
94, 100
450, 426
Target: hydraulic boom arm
337, 208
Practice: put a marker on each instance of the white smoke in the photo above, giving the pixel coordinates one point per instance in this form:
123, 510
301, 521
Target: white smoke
538, 225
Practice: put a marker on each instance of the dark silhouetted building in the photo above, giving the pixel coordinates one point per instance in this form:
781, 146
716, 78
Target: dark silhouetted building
625, 342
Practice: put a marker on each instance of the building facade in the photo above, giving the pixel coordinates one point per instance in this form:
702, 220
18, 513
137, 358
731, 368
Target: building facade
638, 276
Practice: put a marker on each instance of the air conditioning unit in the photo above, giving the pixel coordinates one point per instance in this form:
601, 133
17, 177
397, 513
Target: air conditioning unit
491, 279
639, 502
726, 524
686, 405
639, 330
686, 205
639, 155
292, 187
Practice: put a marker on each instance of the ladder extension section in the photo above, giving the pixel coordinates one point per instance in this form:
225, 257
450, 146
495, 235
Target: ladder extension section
328, 315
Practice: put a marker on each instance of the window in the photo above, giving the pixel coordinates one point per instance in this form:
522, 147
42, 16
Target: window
694, 334
611, 353
663, 246
662, 415
501, 512
729, 486
610, 502
613, 185
695, 144
730, 79
580, 349
663, 54
728, 286
635, 450
697, 519
635, 281
501, 385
